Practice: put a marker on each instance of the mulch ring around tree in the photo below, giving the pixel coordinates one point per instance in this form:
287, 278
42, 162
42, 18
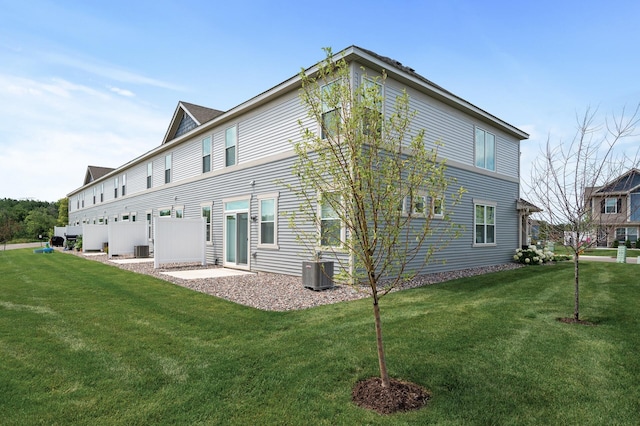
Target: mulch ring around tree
571, 320
400, 396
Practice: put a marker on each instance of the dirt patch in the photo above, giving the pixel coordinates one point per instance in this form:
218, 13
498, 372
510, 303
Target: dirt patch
572, 320
399, 396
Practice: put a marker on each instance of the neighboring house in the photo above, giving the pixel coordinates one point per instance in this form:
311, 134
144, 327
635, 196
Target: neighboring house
229, 167
615, 208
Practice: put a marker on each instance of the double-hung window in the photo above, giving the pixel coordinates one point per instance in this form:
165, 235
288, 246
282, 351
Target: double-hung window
413, 205
611, 205
95, 190
124, 185
101, 192
485, 150
230, 144
268, 215
484, 223
372, 99
149, 225
330, 125
115, 188
167, 168
206, 154
206, 213
437, 208
330, 223
149, 175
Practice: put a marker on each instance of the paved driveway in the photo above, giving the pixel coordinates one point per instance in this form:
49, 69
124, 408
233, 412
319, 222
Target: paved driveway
21, 246
607, 259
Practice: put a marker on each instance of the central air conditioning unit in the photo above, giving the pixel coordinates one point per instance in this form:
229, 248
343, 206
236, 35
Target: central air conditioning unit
141, 251
317, 275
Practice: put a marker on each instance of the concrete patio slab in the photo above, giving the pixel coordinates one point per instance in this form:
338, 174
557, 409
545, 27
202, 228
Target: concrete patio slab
134, 260
195, 274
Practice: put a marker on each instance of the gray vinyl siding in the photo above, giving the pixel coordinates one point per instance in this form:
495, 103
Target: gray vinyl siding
455, 130
461, 252
137, 179
270, 129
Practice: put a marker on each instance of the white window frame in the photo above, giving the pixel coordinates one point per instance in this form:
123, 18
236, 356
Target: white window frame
168, 166
150, 175
480, 153
208, 221
437, 202
115, 187
228, 145
321, 219
367, 81
162, 212
409, 205
263, 197
149, 219
207, 146
607, 205
326, 109
124, 185
179, 212
484, 204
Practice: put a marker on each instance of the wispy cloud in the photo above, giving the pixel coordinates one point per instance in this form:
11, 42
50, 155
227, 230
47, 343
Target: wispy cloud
122, 92
52, 129
108, 71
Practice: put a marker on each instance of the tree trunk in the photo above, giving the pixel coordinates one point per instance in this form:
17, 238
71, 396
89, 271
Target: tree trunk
576, 306
384, 374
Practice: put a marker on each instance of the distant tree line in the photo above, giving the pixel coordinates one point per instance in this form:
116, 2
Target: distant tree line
27, 220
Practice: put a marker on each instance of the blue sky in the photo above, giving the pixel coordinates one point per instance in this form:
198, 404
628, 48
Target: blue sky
96, 83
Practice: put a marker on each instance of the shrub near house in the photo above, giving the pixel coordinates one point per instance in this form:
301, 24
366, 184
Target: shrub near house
533, 256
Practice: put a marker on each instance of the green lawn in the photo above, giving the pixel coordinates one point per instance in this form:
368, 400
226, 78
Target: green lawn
85, 343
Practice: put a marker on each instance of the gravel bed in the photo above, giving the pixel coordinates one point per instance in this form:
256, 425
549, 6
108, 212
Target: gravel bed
277, 292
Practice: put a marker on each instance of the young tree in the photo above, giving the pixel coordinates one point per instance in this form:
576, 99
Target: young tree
63, 212
368, 183
564, 175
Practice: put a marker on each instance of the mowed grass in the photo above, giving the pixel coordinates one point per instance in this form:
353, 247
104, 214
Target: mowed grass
86, 343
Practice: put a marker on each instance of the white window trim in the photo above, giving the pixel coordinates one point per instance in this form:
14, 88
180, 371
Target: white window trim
366, 80
162, 209
475, 148
272, 196
343, 229
432, 205
148, 217
176, 209
170, 168
326, 108
413, 212
209, 239
202, 144
495, 222
615, 205
235, 146
149, 179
